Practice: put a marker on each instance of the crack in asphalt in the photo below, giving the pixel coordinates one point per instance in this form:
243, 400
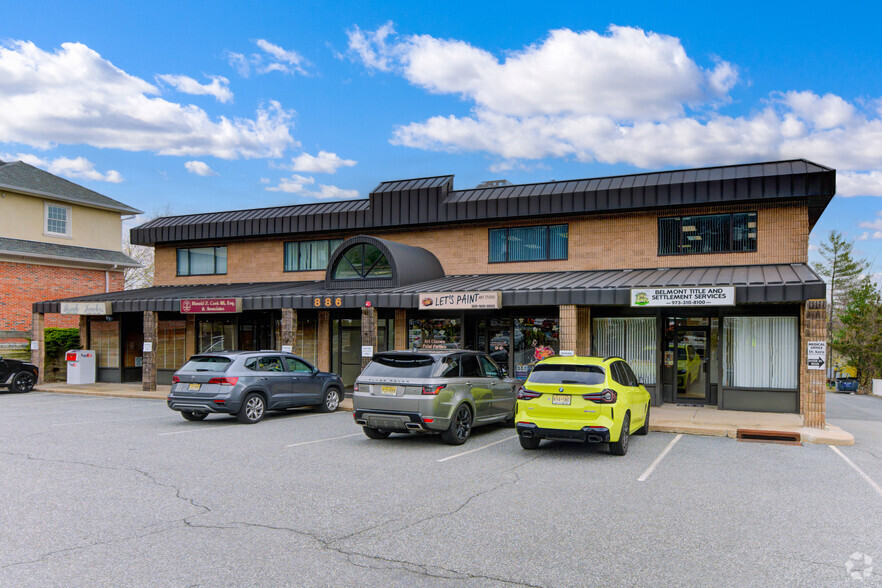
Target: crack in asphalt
867, 451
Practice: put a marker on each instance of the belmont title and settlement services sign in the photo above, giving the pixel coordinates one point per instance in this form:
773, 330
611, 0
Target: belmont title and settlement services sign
697, 296
210, 305
459, 300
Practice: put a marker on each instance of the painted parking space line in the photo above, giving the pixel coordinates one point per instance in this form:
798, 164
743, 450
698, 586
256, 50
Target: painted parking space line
863, 475
323, 440
443, 459
200, 429
658, 459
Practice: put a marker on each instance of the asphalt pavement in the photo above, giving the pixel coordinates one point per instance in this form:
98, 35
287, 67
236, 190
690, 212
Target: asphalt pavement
120, 491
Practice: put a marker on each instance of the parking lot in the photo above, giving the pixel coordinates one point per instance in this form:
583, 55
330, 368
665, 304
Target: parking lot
118, 491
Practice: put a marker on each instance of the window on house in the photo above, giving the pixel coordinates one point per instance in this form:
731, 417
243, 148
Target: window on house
202, 261
362, 261
57, 219
529, 243
707, 233
309, 255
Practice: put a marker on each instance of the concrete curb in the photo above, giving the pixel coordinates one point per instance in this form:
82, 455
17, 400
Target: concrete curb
832, 435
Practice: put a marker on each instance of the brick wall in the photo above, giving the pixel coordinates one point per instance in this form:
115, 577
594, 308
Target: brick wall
626, 240
22, 284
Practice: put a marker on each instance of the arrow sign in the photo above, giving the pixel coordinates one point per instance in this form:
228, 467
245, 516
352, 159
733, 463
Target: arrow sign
816, 363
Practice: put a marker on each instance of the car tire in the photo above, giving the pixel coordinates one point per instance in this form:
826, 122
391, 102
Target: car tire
529, 442
253, 409
23, 382
375, 433
644, 430
194, 416
620, 447
330, 401
460, 426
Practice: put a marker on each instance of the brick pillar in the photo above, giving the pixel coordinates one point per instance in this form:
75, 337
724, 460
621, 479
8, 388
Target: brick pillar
190, 336
84, 332
575, 329
323, 340
400, 329
289, 329
38, 357
812, 383
148, 358
368, 330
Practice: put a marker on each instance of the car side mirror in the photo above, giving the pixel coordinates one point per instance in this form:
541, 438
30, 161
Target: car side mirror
315, 371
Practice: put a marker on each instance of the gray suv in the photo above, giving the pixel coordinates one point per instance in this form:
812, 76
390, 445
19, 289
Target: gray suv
248, 383
429, 391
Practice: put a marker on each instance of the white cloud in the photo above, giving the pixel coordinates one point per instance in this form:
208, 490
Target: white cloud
69, 167
200, 168
863, 236
323, 163
273, 58
297, 184
74, 96
219, 86
625, 97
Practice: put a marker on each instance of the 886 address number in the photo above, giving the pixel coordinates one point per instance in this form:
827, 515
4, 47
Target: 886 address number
326, 301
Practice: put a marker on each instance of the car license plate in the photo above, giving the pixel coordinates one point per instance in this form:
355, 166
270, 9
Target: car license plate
194, 387
389, 390
561, 399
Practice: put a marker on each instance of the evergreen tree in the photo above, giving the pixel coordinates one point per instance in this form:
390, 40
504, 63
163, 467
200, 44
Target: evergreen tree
860, 336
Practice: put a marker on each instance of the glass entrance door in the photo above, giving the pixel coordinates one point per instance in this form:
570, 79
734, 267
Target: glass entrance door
692, 356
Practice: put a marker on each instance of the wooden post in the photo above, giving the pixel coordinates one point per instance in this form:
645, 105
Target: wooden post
148, 358
323, 337
368, 331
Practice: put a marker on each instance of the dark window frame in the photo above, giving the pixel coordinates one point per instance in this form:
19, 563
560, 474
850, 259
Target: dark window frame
189, 273
681, 237
365, 273
297, 248
547, 244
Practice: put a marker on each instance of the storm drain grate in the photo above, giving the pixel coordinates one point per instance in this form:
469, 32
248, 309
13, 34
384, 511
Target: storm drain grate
757, 436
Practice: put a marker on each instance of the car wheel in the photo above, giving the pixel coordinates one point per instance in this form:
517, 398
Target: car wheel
529, 442
620, 447
252, 410
331, 400
194, 416
460, 426
375, 433
23, 382
644, 430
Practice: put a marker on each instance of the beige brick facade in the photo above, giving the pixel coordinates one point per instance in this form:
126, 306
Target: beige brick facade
614, 241
812, 383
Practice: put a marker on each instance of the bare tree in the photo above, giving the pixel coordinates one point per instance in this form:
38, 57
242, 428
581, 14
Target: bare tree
141, 277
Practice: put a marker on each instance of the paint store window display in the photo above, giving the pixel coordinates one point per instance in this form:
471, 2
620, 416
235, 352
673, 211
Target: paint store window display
443, 333
534, 340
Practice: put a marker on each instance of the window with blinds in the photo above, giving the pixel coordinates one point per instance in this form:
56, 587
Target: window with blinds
707, 233
309, 255
171, 344
104, 339
541, 243
761, 352
631, 338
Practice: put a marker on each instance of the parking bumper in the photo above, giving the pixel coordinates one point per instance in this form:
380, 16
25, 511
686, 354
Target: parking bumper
593, 434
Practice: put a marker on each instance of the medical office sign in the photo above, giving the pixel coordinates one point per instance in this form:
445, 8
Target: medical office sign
459, 300
211, 305
700, 296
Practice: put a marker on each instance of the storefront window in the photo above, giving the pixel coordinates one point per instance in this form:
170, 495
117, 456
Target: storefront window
534, 339
216, 335
307, 340
761, 352
171, 346
444, 333
104, 339
362, 261
631, 338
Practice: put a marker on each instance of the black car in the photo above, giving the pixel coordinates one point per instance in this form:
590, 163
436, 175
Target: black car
17, 375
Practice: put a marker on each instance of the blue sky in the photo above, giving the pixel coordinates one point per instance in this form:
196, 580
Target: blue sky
201, 106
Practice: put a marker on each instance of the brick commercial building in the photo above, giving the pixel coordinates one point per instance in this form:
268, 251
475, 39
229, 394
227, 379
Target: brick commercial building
57, 239
699, 278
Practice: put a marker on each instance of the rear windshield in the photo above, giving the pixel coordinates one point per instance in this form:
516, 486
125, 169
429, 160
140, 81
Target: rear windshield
398, 366
549, 373
206, 363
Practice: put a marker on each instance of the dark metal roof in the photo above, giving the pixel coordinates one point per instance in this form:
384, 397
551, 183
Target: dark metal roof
409, 264
425, 201
755, 284
67, 253
19, 176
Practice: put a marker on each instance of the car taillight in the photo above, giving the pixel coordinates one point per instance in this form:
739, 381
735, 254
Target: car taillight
224, 381
524, 394
433, 390
606, 397
355, 387
175, 380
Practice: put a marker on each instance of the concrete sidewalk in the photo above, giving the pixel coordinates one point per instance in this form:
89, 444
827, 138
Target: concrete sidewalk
669, 418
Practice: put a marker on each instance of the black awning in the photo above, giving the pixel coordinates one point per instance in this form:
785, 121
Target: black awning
754, 284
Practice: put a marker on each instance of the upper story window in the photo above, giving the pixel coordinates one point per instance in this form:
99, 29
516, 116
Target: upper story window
309, 255
202, 261
529, 243
57, 220
362, 261
708, 233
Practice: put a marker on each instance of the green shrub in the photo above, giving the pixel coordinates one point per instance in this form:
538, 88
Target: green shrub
56, 341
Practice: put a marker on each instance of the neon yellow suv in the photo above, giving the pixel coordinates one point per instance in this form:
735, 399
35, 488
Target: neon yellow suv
593, 399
